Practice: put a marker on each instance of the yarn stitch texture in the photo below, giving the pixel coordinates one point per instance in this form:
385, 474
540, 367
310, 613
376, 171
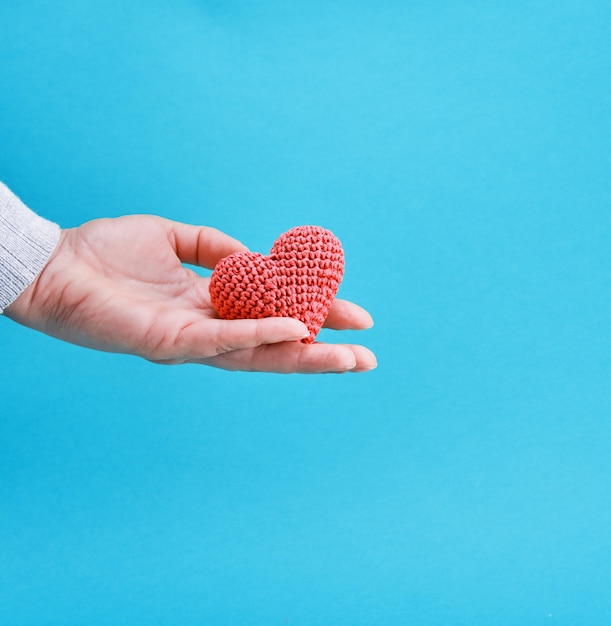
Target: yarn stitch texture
299, 278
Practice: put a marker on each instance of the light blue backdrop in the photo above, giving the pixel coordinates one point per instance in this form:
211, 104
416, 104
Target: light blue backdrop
461, 152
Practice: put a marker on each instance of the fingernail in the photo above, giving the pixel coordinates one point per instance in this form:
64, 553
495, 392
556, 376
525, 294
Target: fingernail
365, 368
348, 366
304, 334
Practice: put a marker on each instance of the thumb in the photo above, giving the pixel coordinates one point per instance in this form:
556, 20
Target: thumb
201, 245
208, 338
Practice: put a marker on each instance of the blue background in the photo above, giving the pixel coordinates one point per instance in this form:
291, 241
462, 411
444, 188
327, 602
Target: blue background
461, 152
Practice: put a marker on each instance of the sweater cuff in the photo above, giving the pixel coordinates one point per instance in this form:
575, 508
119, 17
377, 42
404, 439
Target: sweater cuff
26, 243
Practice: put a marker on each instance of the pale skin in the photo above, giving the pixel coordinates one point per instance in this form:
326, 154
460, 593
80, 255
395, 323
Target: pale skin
119, 285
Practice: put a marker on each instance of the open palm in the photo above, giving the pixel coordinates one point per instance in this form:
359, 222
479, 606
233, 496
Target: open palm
120, 285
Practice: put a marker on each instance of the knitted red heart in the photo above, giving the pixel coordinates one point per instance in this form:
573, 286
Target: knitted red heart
299, 278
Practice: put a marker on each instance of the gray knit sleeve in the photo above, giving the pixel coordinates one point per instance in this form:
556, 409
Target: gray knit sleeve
26, 243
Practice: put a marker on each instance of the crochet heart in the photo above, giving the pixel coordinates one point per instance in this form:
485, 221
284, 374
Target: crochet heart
299, 278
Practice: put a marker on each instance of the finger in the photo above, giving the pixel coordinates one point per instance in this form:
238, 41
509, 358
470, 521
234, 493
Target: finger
201, 245
365, 358
345, 315
288, 358
291, 358
207, 338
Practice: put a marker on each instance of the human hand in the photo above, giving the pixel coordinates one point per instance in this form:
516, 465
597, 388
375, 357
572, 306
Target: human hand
119, 285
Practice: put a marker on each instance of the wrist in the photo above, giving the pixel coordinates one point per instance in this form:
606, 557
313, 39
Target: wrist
29, 307
27, 242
